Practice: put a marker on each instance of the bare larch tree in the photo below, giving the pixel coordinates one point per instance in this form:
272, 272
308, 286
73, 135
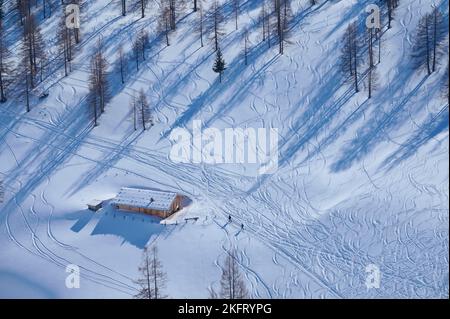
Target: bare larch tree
153, 279
5, 62
215, 19
350, 54
145, 115
98, 83
427, 49
232, 284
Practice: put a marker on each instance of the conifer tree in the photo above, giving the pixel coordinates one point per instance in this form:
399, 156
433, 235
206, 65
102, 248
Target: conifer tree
219, 64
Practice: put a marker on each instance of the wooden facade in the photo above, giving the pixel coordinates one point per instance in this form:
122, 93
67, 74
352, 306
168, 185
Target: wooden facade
174, 207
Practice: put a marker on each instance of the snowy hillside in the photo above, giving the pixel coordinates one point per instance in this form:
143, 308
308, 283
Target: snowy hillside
359, 181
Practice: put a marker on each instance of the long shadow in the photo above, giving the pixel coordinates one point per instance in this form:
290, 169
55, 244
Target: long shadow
231, 38
357, 10
211, 94
297, 19
112, 157
319, 113
53, 66
434, 125
231, 76
115, 154
339, 130
235, 74
57, 151
323, 107
372, 133
74, 122
107, 162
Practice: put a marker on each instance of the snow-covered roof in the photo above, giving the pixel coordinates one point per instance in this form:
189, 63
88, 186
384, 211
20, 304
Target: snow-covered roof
145, 198
95, 202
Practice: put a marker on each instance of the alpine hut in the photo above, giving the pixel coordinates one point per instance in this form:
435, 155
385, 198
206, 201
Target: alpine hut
146, 201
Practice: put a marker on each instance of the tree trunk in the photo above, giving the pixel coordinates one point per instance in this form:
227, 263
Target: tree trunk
371, 64
148, 280
155, 275
201, 27
2, 92
434, 40
379, 46
389, 4
167, 31
134, 115
65, 57
355, 62
427, 26
27, 88
143, 115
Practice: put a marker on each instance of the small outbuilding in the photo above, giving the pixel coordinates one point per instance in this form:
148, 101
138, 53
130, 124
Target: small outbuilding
146, 201
95, 205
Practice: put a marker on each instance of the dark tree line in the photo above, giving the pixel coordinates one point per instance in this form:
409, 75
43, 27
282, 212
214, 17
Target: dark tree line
389, 7
214, 24
5, 60
33, 62
275, 18
429, 41
427, 52
99, 94
351, 59
33, 56
350, 55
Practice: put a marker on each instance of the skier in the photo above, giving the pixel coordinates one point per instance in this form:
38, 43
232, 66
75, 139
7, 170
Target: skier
229, 218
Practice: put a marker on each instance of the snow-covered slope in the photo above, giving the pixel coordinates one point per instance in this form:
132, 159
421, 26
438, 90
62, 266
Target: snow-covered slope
360, 181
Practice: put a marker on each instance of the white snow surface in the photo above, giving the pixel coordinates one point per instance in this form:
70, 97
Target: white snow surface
359, 182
